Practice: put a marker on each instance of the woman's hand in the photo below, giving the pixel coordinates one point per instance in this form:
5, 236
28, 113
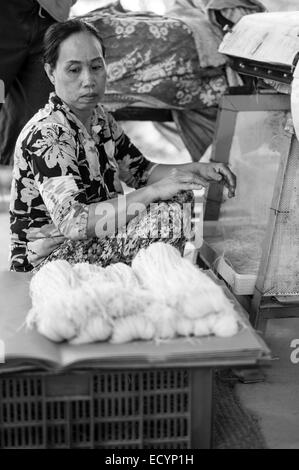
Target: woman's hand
219, 172
177, 180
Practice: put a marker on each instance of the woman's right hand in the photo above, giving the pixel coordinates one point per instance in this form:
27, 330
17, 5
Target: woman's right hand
176, 181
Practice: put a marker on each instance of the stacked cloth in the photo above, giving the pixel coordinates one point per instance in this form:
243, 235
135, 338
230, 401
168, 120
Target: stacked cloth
160, 296
156, 60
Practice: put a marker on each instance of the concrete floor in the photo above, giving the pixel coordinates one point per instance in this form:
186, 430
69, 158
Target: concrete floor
276, 400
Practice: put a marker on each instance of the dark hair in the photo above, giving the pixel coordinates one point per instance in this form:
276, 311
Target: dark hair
58, 32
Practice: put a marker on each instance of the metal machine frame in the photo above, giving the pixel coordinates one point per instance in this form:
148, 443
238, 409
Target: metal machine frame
262, 305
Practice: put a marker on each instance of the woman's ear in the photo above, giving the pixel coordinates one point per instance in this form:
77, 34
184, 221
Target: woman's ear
49, 72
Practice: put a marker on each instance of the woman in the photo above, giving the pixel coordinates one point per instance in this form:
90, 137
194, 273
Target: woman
70, 159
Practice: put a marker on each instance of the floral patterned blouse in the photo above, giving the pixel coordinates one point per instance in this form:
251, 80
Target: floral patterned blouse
59, 169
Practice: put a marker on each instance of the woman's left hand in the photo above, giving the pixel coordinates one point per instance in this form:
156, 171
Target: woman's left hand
219, 172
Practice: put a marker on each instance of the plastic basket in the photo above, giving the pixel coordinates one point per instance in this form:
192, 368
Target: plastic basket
165, 408
241, 284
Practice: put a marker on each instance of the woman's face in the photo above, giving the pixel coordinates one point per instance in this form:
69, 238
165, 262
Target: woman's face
79, 76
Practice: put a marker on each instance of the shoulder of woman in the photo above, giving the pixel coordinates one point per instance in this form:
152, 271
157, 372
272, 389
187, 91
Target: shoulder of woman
47, 132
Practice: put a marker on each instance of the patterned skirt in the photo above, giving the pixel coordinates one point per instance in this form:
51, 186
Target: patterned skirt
166, 221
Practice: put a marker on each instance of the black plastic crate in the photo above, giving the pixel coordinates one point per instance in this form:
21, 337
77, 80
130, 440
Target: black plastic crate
153, 408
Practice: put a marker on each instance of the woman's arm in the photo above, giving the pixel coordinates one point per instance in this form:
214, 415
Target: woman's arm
51, 151
212, 171
106, 218
137, 171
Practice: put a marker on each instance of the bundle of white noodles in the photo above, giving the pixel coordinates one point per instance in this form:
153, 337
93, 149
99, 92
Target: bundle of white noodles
161, 296
201, 304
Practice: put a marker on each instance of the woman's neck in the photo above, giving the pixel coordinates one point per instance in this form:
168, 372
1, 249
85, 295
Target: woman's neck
86, 122
84, 116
